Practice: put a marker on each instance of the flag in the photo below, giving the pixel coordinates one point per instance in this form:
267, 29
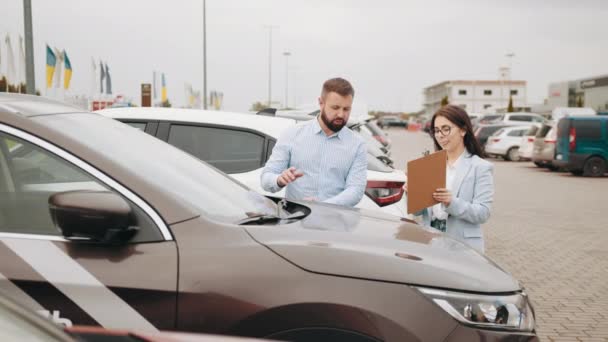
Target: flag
154, 96
22, 79
50, 66
67, 77
163, 91
10, 60
108, 81
58, 67
93, 77
102, 76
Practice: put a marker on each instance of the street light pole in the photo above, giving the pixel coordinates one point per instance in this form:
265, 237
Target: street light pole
204, 54
270, 27
29, 48
510, 55
286, 54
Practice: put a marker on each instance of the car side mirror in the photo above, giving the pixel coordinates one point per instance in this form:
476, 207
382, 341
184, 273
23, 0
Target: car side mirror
92, 216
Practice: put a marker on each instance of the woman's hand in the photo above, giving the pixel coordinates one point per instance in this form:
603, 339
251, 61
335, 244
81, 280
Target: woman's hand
443, 196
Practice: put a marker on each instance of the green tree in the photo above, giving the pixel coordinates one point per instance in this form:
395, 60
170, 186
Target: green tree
510, 109
444, 101
258, 106
580, 102
166, 103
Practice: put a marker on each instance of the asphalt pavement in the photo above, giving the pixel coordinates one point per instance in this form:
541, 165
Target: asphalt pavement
550, 230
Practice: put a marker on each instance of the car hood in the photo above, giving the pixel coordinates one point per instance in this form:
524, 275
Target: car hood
371, 245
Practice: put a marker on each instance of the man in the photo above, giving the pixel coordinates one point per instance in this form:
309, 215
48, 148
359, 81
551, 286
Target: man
321, 160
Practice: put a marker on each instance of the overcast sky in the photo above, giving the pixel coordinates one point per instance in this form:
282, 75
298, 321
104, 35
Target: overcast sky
389, 49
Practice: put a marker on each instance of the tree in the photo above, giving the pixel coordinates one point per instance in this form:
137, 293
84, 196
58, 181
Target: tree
510, 109
165, 103
258, 106
580, 102
444, 101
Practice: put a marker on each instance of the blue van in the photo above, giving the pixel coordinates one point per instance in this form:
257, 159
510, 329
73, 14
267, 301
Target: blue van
582, 145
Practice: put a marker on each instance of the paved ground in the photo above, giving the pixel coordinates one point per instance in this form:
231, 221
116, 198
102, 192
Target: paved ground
550, 230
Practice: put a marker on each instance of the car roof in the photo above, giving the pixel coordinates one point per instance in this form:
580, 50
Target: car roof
32, 105
272, 126
587, 117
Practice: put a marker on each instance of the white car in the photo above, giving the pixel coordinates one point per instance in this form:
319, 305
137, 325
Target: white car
505, 142
515, 118
239, 144
526, 145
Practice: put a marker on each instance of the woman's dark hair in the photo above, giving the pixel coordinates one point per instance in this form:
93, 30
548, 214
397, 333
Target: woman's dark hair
460, 118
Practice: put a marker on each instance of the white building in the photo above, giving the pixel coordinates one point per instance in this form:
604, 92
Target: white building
475, 96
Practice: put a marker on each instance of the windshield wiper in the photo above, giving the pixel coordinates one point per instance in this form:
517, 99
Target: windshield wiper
265, 218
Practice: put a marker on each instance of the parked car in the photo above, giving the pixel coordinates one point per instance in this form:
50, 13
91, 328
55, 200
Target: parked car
526, 146
515, 118
391, 121
106, 225
483, 132
378, 133
582, 145
560, 112
505, 142
544, 146
20, 323
240, 144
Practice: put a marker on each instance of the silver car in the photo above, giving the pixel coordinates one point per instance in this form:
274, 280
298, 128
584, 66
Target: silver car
544, 146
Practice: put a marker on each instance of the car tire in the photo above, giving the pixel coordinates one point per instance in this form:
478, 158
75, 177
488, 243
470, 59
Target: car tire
539, 164
594, 167
512, 154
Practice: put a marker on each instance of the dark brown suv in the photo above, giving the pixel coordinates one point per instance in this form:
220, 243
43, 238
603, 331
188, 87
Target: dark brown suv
101, 224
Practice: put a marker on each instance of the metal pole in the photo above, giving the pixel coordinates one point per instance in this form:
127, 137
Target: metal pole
510, 56
269, 27
286, 54
204, 54
29, 48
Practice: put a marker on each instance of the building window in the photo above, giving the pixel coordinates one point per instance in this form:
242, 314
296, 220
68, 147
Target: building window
513, 91
487, 92
486, 106
462, 92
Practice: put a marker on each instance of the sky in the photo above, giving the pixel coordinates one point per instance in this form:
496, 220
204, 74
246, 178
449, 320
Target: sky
389, 49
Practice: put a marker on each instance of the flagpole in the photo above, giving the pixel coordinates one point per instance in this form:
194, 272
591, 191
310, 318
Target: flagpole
30, 84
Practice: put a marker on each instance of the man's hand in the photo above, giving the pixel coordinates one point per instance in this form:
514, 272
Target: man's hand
288, 176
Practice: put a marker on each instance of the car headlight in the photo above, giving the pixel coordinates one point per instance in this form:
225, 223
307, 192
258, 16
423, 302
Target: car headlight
509, 312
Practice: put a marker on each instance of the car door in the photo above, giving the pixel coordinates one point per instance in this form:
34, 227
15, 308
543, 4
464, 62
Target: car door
130, 285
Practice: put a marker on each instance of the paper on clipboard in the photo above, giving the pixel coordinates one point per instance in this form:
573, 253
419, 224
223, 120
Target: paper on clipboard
424, 176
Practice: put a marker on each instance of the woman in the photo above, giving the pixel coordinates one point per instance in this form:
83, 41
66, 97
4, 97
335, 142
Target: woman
466, 201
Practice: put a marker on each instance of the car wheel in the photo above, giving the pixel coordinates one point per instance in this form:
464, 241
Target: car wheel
594, 167
552, 167
513, 154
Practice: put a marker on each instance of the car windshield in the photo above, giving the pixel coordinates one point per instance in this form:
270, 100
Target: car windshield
542, 132
490, 118
374, 128
532, 131
177, 173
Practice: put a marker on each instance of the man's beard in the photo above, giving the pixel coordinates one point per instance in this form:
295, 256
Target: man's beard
332, 125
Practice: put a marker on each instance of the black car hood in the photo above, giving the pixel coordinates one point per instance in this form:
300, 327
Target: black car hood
371, 245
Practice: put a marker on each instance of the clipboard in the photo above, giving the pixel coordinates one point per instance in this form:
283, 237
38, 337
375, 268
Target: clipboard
424, 176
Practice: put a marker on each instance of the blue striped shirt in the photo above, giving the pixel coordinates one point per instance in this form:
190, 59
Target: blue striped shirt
334, 167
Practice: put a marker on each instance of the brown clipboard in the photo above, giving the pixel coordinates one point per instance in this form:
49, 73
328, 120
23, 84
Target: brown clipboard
424, 176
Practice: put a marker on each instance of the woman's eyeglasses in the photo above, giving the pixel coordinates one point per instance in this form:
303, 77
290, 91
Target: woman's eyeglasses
444, 130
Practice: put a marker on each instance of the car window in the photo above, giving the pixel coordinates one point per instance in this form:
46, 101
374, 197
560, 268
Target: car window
532, 131
30, 175
374, 128
537, 119
590, 129
232, 151
139, 125
497, 133
520, 118
515, 133
542, 132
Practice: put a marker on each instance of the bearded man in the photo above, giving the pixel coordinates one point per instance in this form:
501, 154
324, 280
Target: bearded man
322, 159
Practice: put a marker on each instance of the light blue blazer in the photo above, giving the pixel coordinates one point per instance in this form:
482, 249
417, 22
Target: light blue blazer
472, 196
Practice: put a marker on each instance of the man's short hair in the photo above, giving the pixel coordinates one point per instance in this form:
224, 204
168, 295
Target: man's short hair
337, 85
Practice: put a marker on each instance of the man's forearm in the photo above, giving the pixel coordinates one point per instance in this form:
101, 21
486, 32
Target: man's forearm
269, 182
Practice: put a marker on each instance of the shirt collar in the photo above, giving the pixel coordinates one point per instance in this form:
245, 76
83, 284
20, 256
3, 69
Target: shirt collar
318, 130
465, 154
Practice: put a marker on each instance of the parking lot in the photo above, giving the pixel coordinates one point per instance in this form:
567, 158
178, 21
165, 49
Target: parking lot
550, 230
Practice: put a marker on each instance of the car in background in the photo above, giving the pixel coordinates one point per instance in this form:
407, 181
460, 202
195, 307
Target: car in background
240, 144
526, 146
391, 121
378, 133
582, 145
515, 118
484, 131
103, 224
505, 142
543, 151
